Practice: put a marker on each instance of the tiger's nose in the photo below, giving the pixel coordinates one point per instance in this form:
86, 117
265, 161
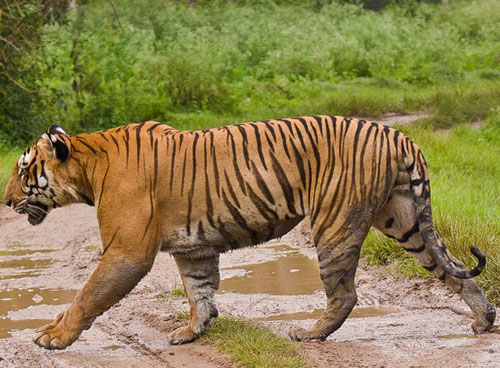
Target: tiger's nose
8, 202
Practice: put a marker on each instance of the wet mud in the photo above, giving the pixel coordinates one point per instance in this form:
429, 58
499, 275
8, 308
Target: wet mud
290, 273
397, 322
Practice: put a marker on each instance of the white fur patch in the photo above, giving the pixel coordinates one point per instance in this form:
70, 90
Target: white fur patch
42, 181
24, 159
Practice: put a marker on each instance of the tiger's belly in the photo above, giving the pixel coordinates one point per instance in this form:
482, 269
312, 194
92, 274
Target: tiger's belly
200, 241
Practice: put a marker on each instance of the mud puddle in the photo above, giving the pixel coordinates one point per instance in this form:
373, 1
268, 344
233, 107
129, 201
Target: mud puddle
19, 261
19, 299
290, 273
26, 261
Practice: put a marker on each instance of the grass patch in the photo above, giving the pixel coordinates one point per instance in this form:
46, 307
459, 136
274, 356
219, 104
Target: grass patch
462, 104
252, 346
465, 186
176, 290
7, 160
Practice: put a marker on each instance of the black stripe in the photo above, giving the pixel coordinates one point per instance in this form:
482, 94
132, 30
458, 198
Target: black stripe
259, 145
314, 129
269, 142
105, 248
150, 132
415, 250
138, 138
430, 268
271, 129
261, 205
115, 142
208, 198
289, 125
214, 159
126, 139
300, 164
193, 181
299, 134
201, 233
406, 236
239, 219
283, 136
103, 136
262, 184
82, 141
235, 164
226, 235
284, 183
183, 169
172, 163
231, 191
245, 145
329, 270
155, 175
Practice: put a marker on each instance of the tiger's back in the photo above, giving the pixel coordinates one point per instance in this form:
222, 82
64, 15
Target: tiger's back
244, 184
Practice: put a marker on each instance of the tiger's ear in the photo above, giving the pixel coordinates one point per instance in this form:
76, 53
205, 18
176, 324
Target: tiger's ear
55, 136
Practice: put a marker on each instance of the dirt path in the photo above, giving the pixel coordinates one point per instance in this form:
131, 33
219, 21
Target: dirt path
398, 322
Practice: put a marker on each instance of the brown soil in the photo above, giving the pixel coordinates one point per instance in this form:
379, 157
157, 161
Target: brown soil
398, 322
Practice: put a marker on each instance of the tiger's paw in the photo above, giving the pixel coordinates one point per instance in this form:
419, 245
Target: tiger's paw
484, 323
182, 335
55, 336
301, 334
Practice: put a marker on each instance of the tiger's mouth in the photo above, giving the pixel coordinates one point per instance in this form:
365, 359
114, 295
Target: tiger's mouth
36, 211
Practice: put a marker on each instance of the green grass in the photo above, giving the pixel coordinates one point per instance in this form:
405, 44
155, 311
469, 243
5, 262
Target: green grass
251, 346
465, 187
175, 290
7, 160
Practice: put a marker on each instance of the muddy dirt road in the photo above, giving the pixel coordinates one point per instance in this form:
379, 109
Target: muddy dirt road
397, 323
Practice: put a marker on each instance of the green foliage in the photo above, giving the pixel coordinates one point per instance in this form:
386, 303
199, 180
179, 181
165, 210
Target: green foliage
7, 159
21, 24
251, 346
194, 64
462, 103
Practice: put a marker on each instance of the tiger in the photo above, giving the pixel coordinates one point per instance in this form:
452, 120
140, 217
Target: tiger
197, 194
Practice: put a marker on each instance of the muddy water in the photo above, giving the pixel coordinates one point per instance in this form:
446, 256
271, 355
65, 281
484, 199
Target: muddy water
358, 312
19, 299
16, 265
291, 273
19, 261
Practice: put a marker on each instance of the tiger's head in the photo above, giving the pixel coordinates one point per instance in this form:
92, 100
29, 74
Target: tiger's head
39, 178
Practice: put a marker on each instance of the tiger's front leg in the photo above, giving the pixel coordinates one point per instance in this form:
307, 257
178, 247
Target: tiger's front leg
115, 275
200, 277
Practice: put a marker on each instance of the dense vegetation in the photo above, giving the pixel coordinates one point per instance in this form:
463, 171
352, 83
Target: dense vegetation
203, 63
195, 64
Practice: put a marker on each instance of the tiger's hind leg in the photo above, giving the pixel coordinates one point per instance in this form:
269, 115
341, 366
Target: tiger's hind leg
398, 220
337, 263
200, 277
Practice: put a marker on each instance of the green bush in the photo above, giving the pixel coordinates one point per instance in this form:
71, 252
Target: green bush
206, 62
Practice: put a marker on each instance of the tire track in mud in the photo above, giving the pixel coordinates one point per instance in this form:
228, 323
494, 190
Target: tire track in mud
132, 341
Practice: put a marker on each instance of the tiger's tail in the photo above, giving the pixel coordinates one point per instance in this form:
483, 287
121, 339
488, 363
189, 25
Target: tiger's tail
419, 181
